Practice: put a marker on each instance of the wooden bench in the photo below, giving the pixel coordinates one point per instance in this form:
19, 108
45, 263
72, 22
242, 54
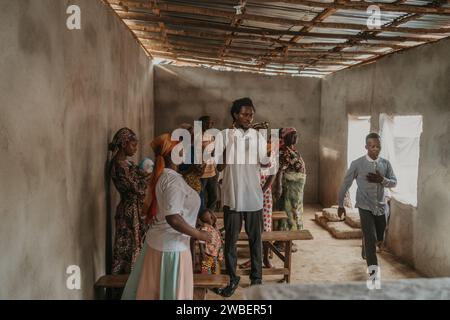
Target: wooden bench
276, 215
285, 237
202, 282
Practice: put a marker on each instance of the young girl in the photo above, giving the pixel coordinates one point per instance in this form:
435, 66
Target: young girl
212, 253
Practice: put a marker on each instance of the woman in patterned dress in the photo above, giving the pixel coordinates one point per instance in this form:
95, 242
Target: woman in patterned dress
266, 183
131, 182
291, 179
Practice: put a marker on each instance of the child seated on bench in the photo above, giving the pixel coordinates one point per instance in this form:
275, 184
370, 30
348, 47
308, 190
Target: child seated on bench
212, 253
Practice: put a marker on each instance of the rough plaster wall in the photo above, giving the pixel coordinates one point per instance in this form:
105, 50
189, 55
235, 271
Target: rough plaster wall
185, 94
63, 95
400, 234
415, 82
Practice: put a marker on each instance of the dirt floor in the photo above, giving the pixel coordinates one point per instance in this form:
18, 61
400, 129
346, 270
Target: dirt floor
325, 259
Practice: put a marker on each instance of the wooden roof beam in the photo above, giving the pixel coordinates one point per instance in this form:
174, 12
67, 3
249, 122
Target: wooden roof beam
236, 21
216, 36
257, 69
308, 25
251, 53
395, 22
213, 54
261, 31
363, 5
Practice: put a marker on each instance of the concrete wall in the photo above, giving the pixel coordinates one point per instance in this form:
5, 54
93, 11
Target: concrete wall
185, 94
415, 82
63, 95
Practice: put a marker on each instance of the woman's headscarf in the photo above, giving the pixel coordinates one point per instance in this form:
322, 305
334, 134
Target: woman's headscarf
162, 147
120, 139
284, 133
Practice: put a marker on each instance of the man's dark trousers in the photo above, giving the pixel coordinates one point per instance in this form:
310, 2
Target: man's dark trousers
373, 230
253, 227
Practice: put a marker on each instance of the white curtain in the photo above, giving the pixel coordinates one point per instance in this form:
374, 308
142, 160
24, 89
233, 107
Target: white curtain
400, 138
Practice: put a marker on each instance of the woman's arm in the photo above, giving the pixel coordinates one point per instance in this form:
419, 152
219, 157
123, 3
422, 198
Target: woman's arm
126, 181
178, 223
278, 184
270, 180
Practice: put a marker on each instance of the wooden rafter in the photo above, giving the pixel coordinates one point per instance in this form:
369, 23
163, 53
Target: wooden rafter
144, 17
363, 5
308, 25
239, 66
203, 33
315, 22
396, 22
157, 12
175, 47
218, 36
236, 21
200, 52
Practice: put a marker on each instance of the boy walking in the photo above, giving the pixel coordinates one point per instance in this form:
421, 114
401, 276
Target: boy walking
372, 175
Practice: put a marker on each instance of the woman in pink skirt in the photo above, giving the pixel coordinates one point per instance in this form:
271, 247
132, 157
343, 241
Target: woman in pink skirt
163, 271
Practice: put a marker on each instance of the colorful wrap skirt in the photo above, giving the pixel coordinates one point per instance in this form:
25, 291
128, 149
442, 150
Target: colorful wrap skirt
161, 275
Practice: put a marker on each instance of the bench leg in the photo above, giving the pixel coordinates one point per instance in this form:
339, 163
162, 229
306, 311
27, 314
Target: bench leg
199, 293
276, 251
287, 260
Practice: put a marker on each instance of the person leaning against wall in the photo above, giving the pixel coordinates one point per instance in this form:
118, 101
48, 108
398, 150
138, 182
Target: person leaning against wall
131, 182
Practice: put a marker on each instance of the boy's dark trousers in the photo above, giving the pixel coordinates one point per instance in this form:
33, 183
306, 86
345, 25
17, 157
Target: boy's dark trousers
253, 228
373, 230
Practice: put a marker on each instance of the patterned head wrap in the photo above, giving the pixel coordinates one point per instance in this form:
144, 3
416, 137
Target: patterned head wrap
284, 133
120, 139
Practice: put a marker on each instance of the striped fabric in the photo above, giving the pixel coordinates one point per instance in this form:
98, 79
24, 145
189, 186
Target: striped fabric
169, 275
160, 276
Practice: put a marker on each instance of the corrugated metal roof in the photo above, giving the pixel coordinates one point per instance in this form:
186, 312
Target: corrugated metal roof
295, 37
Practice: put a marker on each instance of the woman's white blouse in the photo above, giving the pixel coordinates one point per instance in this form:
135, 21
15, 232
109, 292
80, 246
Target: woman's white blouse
174, 196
